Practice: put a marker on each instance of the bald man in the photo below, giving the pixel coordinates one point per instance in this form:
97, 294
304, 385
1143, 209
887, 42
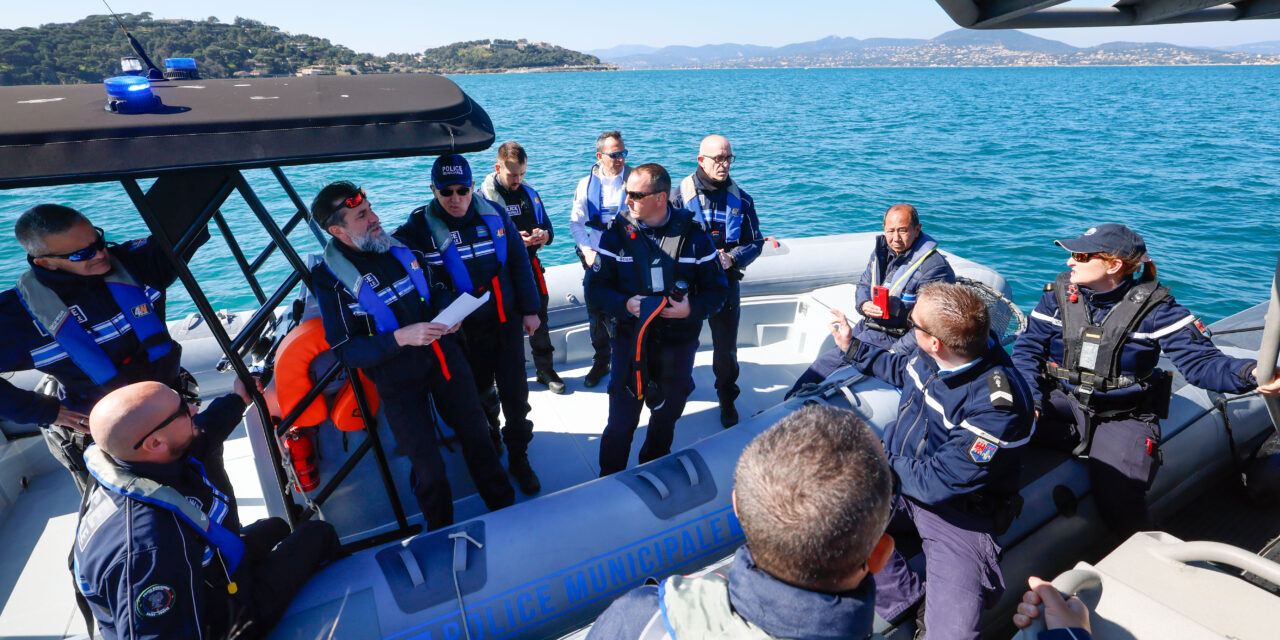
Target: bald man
729, 215
905, 258
158, 552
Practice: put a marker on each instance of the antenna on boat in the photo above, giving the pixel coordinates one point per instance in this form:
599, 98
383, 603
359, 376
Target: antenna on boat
153, 72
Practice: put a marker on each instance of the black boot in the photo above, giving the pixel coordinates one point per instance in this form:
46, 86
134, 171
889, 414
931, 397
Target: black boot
550, 378
526, 479
597, 373
728, 414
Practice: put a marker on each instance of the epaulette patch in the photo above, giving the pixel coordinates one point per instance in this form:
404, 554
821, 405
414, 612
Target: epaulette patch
998, 386
139, 243
982, 450
1048, 287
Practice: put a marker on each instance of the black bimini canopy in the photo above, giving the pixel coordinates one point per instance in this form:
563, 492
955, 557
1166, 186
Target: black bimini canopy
1033, 14
58, 134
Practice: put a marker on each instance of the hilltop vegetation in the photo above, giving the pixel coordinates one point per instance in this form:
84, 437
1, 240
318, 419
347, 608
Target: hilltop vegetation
90, 49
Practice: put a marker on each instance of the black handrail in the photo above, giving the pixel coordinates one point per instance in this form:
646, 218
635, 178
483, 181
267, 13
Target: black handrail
236, 253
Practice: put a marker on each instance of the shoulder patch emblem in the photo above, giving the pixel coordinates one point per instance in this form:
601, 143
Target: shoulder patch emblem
141, 310
1048, 287
154, 601
137, 244
1204, 331
998, 386
595, 266
982, 450
371, 279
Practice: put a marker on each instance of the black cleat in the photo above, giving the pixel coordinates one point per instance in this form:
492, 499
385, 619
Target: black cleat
496, 436
550, 378
526, 479
595, 375
728, 414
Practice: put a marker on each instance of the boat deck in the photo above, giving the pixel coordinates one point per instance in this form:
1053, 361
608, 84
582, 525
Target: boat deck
39, 529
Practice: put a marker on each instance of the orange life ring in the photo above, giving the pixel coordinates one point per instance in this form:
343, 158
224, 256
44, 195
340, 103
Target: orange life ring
293, 381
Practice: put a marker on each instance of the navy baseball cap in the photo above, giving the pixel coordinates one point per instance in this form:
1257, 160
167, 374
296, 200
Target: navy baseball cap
450, 169
1115, 239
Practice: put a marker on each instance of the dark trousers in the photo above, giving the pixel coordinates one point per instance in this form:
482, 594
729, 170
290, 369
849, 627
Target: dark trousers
1123, 457
540, 341
408, 411
277, 564
724, 345
495, 351
962, 570
832, 359
598, 325
675, 377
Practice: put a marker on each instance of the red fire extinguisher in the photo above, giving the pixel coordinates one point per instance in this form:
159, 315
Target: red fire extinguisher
301, 452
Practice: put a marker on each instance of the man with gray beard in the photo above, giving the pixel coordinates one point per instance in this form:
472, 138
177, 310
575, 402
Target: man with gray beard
377, 302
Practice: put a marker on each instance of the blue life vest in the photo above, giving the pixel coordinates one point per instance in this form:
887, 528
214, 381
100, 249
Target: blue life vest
118, 480
52, 313
539, 213
448, 249
595, 198
373, 304
730, 218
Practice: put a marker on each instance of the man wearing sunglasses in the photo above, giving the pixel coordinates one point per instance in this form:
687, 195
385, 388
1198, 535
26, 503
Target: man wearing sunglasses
91, 314
158, 551
659, 276
729, 214
506, 187
813, 496
964, 419
377, 302
599, 197
473, 247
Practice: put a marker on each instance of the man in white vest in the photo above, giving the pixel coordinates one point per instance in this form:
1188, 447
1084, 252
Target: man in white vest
729, 215
600, 196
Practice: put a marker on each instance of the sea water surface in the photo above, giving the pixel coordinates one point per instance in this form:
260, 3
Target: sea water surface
1000, 163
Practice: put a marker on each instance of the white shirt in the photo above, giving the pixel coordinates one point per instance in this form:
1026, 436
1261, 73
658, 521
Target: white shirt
612, 190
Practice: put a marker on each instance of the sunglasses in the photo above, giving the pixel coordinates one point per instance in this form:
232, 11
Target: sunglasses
637, 195
449, 191
354, 201
616, 155
1083, 257
184, 409
917, 326
85, 253
725, 160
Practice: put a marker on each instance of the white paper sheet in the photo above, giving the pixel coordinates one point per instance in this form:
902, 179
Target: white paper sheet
461, 308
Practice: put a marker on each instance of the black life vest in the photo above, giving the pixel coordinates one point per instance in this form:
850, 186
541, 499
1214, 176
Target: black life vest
1091, 351
657, 261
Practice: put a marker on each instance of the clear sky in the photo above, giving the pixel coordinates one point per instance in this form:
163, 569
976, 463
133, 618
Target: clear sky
383, 26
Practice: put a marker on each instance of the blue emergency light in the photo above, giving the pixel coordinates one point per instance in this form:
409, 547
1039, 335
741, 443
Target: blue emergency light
180, 69
130, 94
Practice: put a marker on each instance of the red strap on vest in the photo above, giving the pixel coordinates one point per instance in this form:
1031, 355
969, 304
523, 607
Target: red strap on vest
444, 366
639, 341
497, 298
537, 274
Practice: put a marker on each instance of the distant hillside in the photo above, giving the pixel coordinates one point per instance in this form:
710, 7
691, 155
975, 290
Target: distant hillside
1270, 47
960, 47
90, 49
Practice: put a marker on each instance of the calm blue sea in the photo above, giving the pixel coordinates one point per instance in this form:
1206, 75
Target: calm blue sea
1000, 162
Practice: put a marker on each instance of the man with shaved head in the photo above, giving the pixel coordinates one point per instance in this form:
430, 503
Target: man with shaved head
158, 551
905, 259
729, 215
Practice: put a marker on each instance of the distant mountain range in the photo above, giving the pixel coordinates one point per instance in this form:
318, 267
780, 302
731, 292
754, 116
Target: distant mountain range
960, 47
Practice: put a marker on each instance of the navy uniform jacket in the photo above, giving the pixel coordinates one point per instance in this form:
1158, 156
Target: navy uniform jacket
519, 290
934, 269
351, 332
615, 280
781, 610
750, 240
957, 432
142, 569
1169, 327
27, 346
